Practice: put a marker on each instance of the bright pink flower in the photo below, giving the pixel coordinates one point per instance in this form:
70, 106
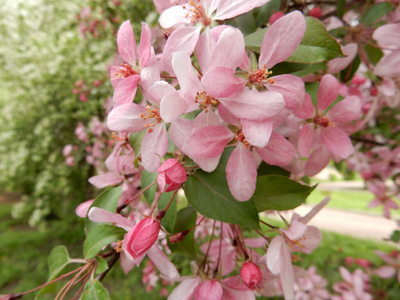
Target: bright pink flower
141, 237
171, 172
251, 275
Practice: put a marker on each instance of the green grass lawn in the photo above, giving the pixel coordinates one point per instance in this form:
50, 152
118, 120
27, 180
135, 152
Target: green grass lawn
353, 200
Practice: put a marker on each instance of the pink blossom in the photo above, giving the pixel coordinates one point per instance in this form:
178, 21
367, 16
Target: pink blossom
355, 286
141, 237
392, 266
378, 188
171, 172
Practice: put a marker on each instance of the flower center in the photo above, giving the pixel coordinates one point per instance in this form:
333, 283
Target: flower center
260, 76
324, 122
242, 139
196, 13
151, 113
119, 246
205, 101
124, 71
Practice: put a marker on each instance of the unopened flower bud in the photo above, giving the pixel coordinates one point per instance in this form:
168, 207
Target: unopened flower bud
275, 17
316, 12
251, 275
141, 237
171, 172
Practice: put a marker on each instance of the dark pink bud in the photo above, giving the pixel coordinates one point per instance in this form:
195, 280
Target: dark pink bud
171, 172
275, 17
141, 237
251, 275
363, 263
316, 12
349, 261
367, 175
83, 98
96, 83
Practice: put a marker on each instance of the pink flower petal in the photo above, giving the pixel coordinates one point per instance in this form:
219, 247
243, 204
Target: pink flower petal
327, 92
126, 118
163, 264
179, 131
338, 64
346, 110
337, 141
227, 9
172, 106
305, 140
82, 209
154, 145
291, 88
385, 271
388, 36
106, 179
207, 164
184, 290
172, 16
274, 255
221, 82
145, 45
126, 43
241, 173
318, 160
126, 90
279, 151
389, 65
307, 109
99, 215
282, 39
257, 133
211, 290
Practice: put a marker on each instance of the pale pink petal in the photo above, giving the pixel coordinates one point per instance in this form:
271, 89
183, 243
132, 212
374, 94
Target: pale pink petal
385, 271
305, 141
254, 105
99, 215
346, 110
257, 133
227, 116
126, 118
338, 64
296, 230
385, 257
221, 82
115, 80
388, 36
145, 45
148, 76
374, 203
162, 262
126, 262
313, 238
126, 90
172, 106
307, 109
179, 131
327, 92
228, 9
346, 274
274, 255
210, 290
82, 209
126, 43
154, 146
287, 273
208, 141
291, 88
281, 39
172, 16
224, 55
377, 187
159, 89
318, 160
207, 164
106, 179
389, 65
204, 119
184, 290
337, 141
314, 210
279, 151
204, 48
182, 39
241, 173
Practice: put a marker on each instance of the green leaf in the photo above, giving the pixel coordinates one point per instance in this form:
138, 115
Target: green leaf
209, 194
147, 179
275, 192
395, 236
168, 222
101, 236
185, 220
102, 265
253, 41
135, 139
244, 22
340, 6
374, 53
57, 261
94, 290
317, 45
311, 69
108, 200
264, 12
266, 169
375, 12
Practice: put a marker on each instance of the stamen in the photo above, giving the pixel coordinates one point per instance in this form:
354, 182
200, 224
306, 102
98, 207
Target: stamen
126, 70
242, 139
197, 14
151, 113
324, 122
119, 247
205, 101
260, 76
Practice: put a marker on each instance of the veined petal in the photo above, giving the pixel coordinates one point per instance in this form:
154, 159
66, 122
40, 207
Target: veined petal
207, 164
159, 89
106, 179
126, 43
291, 88
254, 105
346, 110
227, 116
278, 152
305, 140
99, 215
204, 119
172, 16
287, 273
162, 262
228, 9
184, 290
282, 39
208, 141
257, 133
338, 64
307, 109
181, 39
145, 45
337, 141
296, 230
389, 65
327, 92
241, 173
221, 82
318, 160
388, 36
126, 118
172, 106
115, 81
126, 90
154, 145
274, 255
179, 131
204, 48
